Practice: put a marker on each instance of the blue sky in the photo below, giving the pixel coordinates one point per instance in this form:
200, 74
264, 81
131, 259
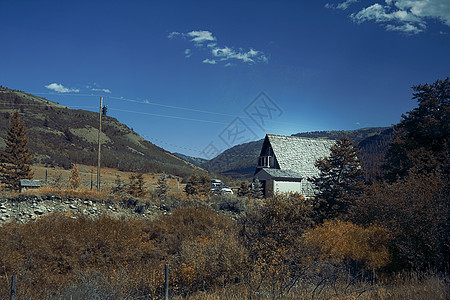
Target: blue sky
197, 77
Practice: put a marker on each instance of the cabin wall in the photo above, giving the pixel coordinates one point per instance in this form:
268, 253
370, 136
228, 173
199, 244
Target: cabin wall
287, 186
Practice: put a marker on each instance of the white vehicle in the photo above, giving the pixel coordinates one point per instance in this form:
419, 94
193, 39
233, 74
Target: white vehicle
218, 187
226, 190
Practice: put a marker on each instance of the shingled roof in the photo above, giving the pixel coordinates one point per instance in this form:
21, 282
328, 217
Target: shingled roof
298, 156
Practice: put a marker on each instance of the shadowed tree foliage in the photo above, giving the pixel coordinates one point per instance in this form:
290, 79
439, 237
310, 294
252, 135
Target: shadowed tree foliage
339, 181
415, 209
16, 158
421, 138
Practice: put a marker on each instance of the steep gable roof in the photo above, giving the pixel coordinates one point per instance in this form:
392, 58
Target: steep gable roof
299, 154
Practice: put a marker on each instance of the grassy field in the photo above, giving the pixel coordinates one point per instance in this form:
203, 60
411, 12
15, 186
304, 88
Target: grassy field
88, 174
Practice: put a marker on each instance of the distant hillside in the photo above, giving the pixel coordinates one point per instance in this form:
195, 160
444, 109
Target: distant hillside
62, 136
193, 160
240, 161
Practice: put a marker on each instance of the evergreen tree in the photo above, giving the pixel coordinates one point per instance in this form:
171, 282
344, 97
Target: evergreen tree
192, 186
257, 190
339, 181
75, 179
421, 138
198, 186
244, 189
162, 186
119, 187
136, 187
16, 158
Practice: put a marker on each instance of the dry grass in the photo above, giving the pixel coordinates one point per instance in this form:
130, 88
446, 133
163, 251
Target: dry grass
433, 287
107, 175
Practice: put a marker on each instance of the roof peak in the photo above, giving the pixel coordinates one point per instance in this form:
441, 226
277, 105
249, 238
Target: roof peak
297, 137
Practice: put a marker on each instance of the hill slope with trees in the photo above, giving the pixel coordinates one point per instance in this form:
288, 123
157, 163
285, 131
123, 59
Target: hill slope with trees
59, 136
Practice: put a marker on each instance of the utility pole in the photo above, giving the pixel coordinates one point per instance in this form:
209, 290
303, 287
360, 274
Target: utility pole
99, 143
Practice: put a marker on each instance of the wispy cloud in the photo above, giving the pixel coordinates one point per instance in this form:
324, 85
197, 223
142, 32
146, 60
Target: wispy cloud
206, 41
60, 88
209, 61
407, 16
343, 5
102, 90
95, 88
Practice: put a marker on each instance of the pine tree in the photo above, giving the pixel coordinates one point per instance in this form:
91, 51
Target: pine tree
16, 158
192, 185
162, 186
75, 179
339, 181
257, 190
421, 138
119, 187
198, 186
136, 187
244, 189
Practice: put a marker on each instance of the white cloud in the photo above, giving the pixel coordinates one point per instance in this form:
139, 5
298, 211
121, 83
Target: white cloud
209, 61
173, 34
60, 88
201, 36
227, 53
102, 90
408, 16
344, 5
205, 40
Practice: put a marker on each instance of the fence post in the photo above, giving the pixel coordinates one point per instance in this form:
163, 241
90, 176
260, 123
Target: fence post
13, 288
166, 282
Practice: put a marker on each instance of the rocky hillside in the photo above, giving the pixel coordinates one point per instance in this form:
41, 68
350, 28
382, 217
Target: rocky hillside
240, 161
59, 136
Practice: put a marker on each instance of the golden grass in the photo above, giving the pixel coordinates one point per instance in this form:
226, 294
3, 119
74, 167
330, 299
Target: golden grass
433, 287
108, 176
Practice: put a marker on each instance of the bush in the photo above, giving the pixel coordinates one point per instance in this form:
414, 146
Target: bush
272, 235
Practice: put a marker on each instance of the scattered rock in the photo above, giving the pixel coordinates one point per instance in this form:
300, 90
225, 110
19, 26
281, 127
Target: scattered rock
38, 211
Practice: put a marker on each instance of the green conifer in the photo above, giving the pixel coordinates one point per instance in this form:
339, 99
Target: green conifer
16, 158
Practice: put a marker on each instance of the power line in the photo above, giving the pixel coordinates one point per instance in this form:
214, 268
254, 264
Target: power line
162, 105
167, 116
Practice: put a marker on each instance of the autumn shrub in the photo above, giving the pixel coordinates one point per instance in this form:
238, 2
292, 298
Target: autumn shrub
230, 203
74, 179
271, 234
349, 245
50, 253
204, 248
